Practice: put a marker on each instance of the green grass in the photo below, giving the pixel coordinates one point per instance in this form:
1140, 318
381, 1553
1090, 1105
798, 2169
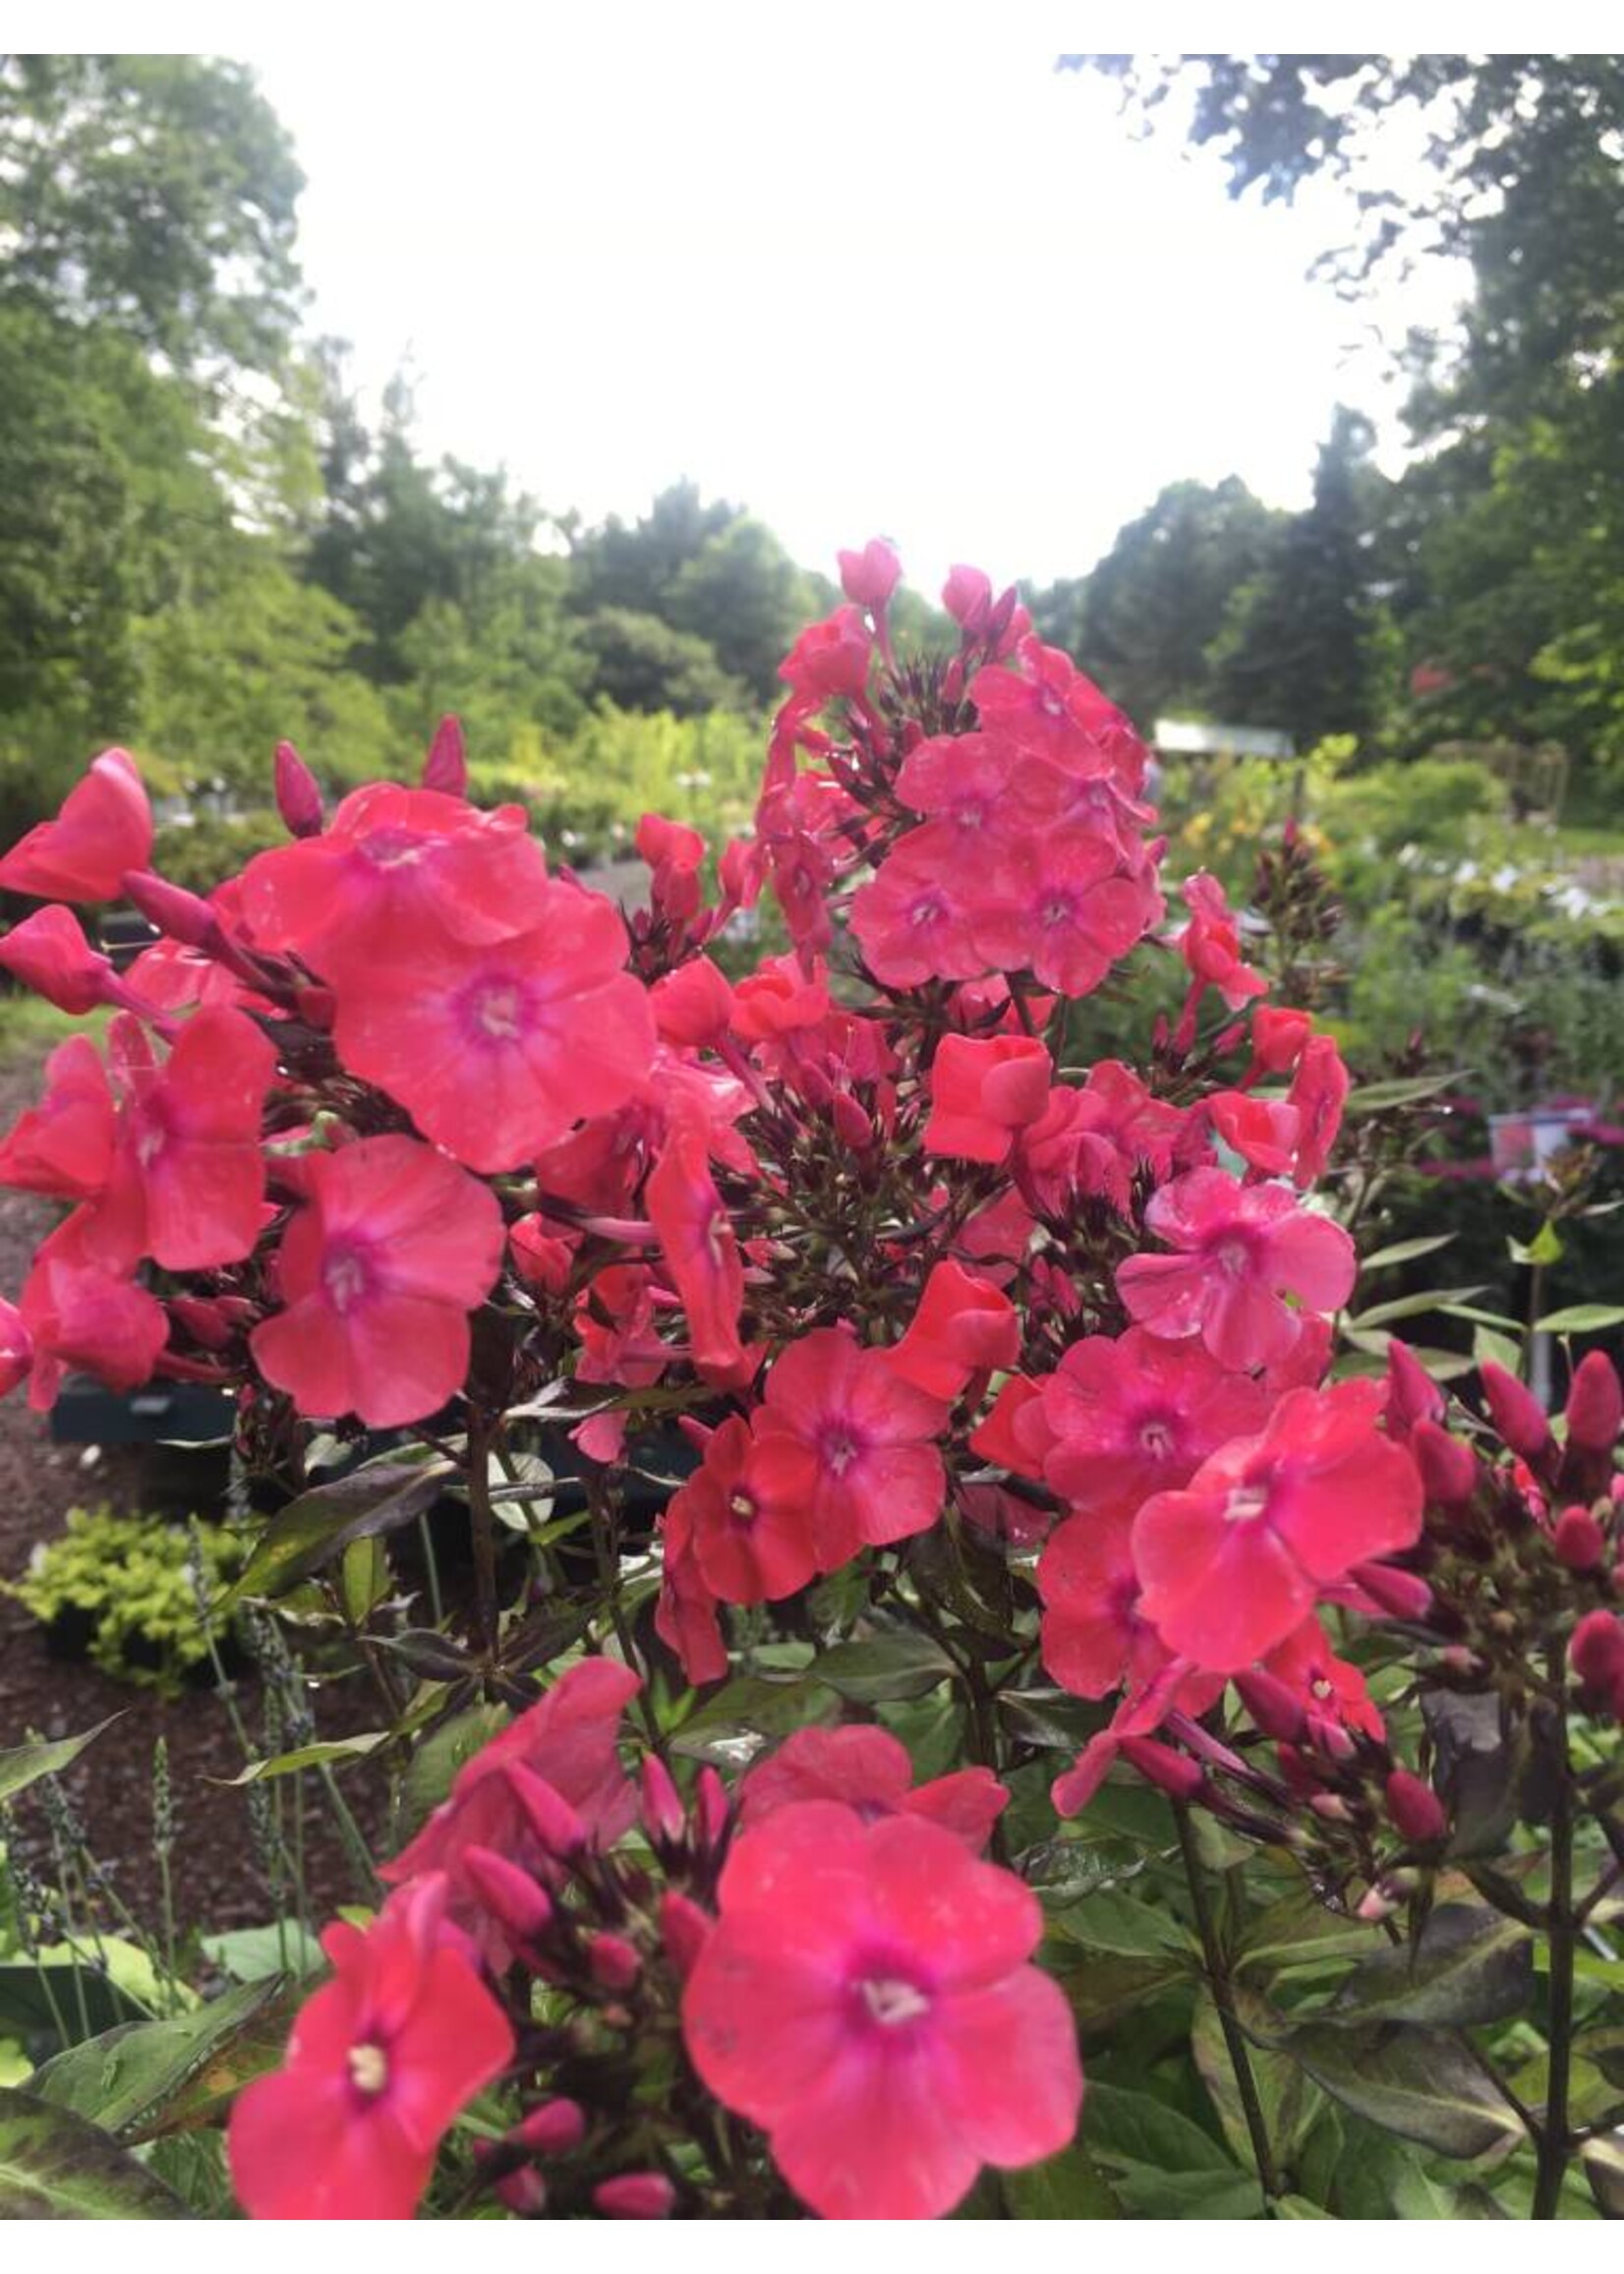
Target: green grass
30, 1027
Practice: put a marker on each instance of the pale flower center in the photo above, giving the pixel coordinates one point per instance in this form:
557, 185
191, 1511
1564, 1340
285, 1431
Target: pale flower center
838, 1452
345, 1278
497, 1012
742, 1508
1233, 1258
369, 2068
890, 2002
1156, 1439
1244, 1503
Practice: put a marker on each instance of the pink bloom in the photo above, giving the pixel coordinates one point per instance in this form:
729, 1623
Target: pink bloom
378, 1272
1242, 1251
830, 659
1332, 1691
749, 1546
1047, 708
964, 1327
1096, 1637
445, 768
1210, 944
697, 1242
869, 1770
676, 854
1278, 1038
103, 830
686, 1617
866, 1998
63, 1147
1264, 1131
498, 1048
982, 1092
842, 1438
911, 920
1016, 1436
869, 578
1318, 1095
1059, 905
1234, 1562
960, 778
78, 1316
1132, 1416
777, 999
380, 2063
1095, 1141
49, 953
397, 869
692, 1006
188, 1180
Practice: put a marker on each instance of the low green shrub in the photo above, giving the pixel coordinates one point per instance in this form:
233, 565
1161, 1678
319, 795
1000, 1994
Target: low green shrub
123, 1584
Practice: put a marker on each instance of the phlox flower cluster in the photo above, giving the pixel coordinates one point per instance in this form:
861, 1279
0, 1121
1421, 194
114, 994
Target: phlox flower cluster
402, 1127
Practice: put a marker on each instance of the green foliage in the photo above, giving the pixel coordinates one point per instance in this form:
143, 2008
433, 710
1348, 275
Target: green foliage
127, 1580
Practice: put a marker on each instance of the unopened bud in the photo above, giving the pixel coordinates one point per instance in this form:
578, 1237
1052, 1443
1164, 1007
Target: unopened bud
524, 2192
202, 1318
447, 765
613, 1962
1274, 1707
1579, 1540
172, 910
1596, 1403
298, 799
713, 1807
684, 1929
556, 2127
852, 1123
1416, 1809
1401, 1594
635, 2196
1596, 1656
663, 1812
1412, 1394
1331, 1807
1159, 1765
1448, 1468
1517, 1414
552, 1819
509, 1895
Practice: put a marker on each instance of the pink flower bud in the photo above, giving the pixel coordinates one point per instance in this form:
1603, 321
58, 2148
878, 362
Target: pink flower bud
635, 2196
851, 1124
445, 768
523, 2192
182, 916
1412, 1393
49, 953
1416, 1809
1277, 1710
1596, 1405
509, 1895
202, 1318
713, 1807
552, 1819
553, 2128
869, 578
298, 799
1578, 1539
684, 1929
613, 1962
1516, 1412
1331, 1807
663, 1816
1449, 1470
1596, 1656
1160, 1765
1401, 1594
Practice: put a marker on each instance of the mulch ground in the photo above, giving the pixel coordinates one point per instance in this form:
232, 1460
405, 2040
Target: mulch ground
216, 1884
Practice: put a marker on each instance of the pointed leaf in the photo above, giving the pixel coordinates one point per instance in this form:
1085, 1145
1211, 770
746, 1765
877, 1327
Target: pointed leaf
1467, 1965
1581, 1318
1419, 2083
55, 2165
119, 2080
320, 1524
23, 1765
1069, 2186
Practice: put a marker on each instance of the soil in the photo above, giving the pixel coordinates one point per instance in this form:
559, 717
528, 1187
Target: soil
215, 1879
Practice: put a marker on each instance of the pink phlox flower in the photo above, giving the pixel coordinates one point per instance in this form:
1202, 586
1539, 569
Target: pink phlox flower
496, 1048
1061, 906
382, 2059
1095, 1139
750, 1544
1132, 1416
1331, 1690
964, 1327
839, 1436
103, 830
1318, 1095
378, 1273
397, 869
49, 953
866, 1998
868, 1770
63, 1147
78, 1316
913, 920
1210, 944
697, 1242
1234, 1561
1242, 1250
982, 1092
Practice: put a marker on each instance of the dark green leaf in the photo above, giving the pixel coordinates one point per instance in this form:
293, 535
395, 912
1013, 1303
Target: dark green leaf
1383, 1096
1419, 2083
318, 1754
1122, 2126
55, 2165
1102, 1920
1467, 1965
1407, 1251
120, 2082
1069, 2186
320, 1524
900, 1665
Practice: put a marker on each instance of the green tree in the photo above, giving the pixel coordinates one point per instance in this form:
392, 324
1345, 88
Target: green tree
1304, 644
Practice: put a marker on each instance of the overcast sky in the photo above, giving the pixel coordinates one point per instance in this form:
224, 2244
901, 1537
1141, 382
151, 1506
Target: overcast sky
916, 284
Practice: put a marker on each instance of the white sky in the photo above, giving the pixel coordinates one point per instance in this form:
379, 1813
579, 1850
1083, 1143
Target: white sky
880, 273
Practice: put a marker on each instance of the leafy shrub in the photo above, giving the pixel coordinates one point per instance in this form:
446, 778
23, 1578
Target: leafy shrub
127, 1581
